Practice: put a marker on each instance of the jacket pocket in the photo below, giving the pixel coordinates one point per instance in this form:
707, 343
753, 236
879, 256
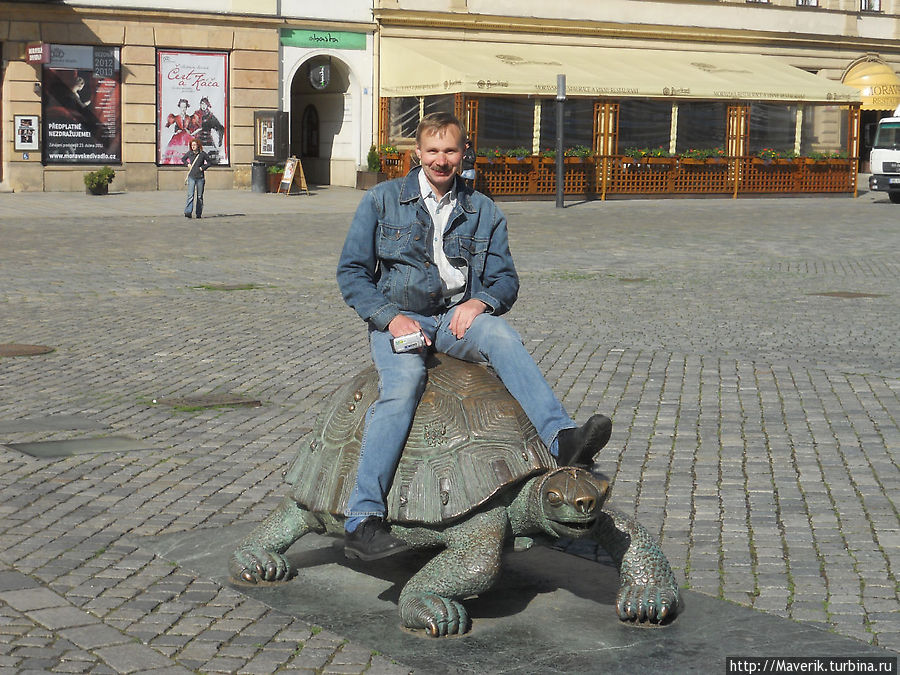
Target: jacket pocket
392, 240
473, 250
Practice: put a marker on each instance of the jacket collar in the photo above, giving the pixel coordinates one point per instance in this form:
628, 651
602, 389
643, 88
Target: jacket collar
410, 192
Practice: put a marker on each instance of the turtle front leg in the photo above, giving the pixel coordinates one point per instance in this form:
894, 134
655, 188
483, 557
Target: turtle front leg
469, 565
647, 587
259, 556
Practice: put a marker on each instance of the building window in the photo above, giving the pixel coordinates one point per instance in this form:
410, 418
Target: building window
870, 5
763, 2
807, 3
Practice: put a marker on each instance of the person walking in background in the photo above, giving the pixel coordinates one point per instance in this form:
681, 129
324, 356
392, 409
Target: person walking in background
468, 165
197, 160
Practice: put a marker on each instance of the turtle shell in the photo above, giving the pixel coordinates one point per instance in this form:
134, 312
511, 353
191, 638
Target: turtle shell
469, 440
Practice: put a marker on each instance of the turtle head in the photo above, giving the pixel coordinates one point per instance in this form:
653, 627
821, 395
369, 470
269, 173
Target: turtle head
570, 501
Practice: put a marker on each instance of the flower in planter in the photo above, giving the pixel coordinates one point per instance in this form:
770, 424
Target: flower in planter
490, 153
387, 150
658, 152
519, 152
547, 153
578, 151
275, 169
768, 153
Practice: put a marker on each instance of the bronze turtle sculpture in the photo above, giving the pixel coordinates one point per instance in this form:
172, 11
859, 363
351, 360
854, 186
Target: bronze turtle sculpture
474, 475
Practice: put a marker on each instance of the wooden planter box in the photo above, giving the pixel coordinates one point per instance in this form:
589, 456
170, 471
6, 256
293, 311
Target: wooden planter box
273, 180
365, 180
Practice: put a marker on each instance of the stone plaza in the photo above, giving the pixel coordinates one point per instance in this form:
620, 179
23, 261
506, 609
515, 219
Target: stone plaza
747, 351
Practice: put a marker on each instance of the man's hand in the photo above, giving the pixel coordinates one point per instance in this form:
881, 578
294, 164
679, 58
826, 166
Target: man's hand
403, 325
464, 315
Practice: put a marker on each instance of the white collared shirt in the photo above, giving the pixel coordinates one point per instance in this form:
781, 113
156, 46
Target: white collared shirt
452, 279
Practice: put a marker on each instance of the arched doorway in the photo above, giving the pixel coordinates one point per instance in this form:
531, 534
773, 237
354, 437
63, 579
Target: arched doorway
320, 131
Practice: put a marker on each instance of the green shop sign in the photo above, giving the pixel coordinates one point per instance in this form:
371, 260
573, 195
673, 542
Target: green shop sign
334, 39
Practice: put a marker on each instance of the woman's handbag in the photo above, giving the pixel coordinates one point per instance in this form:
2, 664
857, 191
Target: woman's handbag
191, 168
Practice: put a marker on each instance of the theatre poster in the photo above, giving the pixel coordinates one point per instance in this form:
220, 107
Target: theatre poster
192, 104
82, 105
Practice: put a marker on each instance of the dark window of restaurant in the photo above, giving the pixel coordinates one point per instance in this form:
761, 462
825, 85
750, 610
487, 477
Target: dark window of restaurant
578, 123
505, 123
404, 118
772, 125
644, 123
701, 125
440, 103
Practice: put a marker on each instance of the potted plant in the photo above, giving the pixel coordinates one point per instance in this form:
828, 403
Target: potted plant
548, 156
97, 182
274, 174
373, 173
488, 154
694, 156
658, 155
518, 154
577, 154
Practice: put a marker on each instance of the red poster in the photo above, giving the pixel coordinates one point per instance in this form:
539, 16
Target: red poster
192, 103
82, 105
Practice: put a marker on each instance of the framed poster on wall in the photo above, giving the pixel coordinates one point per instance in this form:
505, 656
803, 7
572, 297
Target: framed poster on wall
81, 99
191, 104
26, 132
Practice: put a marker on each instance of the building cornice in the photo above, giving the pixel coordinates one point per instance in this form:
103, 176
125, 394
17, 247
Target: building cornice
484, 23
46, 12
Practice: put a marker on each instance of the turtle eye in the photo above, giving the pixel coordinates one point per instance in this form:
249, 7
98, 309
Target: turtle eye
554, 498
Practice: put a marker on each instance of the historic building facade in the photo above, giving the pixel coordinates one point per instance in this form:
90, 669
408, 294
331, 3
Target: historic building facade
128, 83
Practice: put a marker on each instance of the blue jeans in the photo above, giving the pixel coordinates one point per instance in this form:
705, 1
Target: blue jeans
194, 184
401, 383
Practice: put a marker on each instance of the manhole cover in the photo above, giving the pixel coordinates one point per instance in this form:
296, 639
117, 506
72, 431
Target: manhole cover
848, 294
80, 446
23, 350
210, 401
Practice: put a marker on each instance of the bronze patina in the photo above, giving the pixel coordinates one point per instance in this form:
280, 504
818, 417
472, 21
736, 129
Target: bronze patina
474, 475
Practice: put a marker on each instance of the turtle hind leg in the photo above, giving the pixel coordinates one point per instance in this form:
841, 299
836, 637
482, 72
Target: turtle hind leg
259, 555
469, 565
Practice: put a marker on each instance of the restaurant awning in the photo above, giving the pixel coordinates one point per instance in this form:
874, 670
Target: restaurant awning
423, 67
877, 83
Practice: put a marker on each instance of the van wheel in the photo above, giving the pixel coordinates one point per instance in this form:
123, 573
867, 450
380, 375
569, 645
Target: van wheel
894, 197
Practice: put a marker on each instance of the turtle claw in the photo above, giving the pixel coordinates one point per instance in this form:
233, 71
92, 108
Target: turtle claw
254, 565
438, 615
646, 603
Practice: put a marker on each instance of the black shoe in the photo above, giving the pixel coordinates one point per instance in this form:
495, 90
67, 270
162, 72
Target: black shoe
187, 215
198, 216
579, 445
372, 541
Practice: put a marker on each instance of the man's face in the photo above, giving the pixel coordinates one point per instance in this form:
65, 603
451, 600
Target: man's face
440, 154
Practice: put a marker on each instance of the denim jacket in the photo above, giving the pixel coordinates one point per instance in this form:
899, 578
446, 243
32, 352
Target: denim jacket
386, 266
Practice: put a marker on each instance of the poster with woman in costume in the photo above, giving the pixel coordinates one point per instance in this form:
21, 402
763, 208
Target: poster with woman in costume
192, 103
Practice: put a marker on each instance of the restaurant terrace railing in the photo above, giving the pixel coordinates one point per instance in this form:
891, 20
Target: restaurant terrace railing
598, 177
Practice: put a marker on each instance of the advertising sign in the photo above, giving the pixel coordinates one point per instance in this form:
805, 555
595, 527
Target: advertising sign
81, 99
192, 103
37, 52
26, 132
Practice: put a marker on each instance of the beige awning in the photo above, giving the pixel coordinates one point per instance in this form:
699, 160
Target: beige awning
877, 83
422, 67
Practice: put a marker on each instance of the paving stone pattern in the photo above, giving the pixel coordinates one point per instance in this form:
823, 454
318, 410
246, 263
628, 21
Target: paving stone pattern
756, 421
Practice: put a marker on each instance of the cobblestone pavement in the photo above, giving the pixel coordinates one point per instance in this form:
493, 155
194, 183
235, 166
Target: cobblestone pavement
747, 351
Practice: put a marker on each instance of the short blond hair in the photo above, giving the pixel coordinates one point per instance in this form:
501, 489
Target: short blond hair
436, 122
